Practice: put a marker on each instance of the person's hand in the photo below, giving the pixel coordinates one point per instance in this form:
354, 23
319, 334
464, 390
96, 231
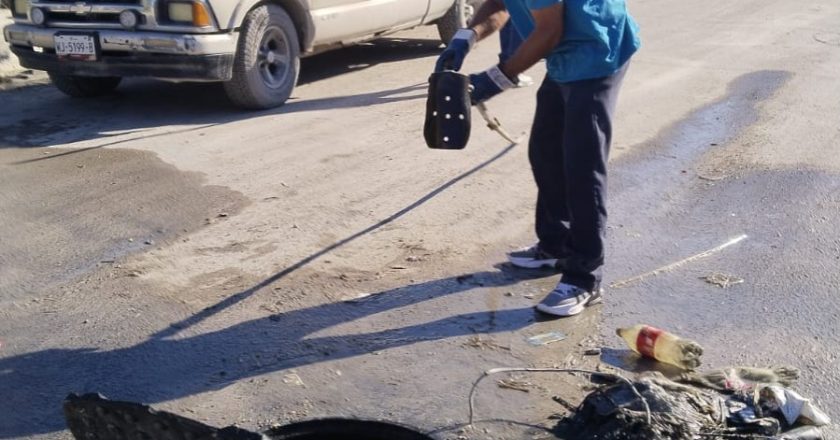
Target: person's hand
488, 84
453, 56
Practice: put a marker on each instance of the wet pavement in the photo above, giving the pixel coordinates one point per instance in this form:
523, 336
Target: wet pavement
676, 198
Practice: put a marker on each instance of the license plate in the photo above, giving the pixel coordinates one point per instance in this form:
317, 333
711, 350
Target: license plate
76, 46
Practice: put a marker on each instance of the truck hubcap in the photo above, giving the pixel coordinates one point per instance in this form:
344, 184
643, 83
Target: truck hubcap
274, 57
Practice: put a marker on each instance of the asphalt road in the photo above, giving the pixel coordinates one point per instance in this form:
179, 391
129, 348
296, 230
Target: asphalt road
314, 260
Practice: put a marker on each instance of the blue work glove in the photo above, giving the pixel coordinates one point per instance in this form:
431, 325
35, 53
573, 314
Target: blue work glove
453, 56
488, 84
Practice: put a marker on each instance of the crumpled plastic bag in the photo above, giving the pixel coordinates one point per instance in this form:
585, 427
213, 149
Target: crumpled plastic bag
792, 406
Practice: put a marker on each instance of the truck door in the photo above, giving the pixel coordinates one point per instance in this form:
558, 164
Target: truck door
345, 20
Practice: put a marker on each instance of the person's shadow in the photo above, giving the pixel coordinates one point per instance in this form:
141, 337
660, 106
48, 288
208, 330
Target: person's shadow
169, 366
164, 368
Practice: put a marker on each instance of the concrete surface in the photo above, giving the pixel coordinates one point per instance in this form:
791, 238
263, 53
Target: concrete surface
161, 246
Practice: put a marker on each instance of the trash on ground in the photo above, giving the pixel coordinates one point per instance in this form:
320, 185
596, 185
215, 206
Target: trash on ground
476, 341
513, 384
733, 379
592, 352
772, 410
293, 379
614, 411
711, 178
727, 403
545, 338
723, 280
359, 297
794, 407
684, 412
663, 346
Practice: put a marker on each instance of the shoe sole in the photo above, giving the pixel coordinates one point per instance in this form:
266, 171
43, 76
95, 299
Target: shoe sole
570, 310
530, 263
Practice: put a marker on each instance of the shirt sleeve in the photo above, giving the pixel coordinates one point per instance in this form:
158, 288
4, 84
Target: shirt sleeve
539, 4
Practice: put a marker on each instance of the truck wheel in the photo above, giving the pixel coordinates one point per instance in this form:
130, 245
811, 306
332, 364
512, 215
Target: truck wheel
84, 86
456, 18
265, 69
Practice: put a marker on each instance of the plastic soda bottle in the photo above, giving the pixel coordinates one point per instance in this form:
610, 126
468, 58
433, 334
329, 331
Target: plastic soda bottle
663, 346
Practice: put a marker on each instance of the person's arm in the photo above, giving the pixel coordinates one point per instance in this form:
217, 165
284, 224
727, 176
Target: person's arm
489, 18
547, 33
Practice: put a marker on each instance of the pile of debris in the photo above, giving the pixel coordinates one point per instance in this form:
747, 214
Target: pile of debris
680, 411
615, 412
741, 403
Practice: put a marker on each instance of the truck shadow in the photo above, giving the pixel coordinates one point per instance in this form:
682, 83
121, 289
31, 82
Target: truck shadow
44, 117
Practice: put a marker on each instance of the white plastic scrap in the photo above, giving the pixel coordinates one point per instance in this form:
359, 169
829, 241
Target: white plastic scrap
795, 407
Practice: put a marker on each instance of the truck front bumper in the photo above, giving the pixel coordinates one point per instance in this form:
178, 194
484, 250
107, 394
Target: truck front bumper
192, 57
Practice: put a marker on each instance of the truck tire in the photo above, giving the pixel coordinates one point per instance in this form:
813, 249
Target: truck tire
84, 86
267, 61
456, 18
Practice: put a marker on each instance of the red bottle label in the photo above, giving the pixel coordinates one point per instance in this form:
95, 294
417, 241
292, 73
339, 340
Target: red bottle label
647, 340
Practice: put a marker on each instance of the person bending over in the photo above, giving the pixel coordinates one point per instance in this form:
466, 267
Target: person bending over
587, 45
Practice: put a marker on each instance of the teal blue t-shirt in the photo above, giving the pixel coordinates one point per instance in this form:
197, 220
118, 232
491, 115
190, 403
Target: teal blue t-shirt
599, 36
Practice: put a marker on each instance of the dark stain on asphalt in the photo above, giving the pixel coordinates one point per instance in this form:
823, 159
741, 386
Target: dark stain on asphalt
21, 133
647, 186
658, 165
77, 210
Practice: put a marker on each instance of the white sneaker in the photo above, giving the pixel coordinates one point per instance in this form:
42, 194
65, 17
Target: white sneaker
532, 258
568, 300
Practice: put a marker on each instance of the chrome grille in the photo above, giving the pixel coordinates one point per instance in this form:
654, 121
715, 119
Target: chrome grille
55, 17
87, 14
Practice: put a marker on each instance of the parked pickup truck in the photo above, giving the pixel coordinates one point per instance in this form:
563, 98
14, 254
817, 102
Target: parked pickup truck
252, 46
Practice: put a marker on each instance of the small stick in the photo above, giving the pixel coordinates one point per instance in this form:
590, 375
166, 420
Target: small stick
677, 264
494, 124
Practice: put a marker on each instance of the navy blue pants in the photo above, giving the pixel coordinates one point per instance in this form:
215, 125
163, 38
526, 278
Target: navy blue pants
568, 150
